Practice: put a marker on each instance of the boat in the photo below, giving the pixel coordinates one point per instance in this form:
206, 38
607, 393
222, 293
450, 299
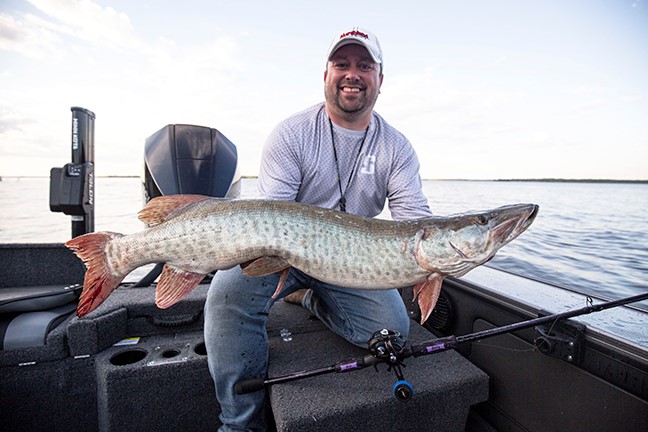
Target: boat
129, 366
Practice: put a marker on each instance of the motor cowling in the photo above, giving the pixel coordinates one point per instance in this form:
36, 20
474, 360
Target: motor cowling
189, 159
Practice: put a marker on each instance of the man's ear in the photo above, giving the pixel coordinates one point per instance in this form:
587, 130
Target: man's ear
325, 75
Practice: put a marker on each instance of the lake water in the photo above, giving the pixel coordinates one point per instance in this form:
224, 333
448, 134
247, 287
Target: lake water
589, 237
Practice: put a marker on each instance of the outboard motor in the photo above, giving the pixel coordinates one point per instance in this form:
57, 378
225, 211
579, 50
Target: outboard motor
188, 159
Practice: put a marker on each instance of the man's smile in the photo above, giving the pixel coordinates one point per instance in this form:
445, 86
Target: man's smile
346, 89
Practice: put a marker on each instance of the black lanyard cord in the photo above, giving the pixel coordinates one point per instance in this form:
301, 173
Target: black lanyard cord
337, 166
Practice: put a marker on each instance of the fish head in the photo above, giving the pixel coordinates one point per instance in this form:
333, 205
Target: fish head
457, 244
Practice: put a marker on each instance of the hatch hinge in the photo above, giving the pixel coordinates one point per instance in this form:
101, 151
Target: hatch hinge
562, 339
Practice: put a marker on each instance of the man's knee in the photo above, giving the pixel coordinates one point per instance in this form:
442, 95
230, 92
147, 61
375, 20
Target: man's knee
391, 315
222, 286
231, 293
397, 320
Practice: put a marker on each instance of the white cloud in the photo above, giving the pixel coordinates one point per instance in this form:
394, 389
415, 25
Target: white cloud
11, 120
135, 86
471, 110
89, 21
26, 35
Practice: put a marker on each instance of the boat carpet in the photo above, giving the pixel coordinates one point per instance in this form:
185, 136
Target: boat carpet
161, 380
445, 384
39, 286
156, 383
169, 389
132, 312
35, 264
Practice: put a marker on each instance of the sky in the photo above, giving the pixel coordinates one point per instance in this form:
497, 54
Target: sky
483, 89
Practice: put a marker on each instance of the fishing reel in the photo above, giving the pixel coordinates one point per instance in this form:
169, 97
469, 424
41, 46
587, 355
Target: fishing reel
385, 345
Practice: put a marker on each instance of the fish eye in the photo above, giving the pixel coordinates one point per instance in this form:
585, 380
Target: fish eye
482, 220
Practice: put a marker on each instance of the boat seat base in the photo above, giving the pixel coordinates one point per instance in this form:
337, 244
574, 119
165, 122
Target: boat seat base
445, 384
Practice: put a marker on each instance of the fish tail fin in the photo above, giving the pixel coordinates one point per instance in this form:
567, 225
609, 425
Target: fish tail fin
174, 284
99, 280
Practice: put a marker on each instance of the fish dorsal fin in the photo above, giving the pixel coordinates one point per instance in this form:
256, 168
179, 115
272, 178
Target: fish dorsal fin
175, 284
427, 293
163, 208
265, 265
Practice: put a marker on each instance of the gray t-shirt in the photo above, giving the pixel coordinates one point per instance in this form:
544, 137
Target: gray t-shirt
298, 164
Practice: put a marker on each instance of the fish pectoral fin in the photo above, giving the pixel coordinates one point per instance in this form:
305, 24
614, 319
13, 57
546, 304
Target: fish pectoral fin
174, 284
163, 208
427, 293
264, 266
282, 282
268, 265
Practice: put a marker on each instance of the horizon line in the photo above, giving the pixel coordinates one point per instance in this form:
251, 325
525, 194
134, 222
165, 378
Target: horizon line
541, 179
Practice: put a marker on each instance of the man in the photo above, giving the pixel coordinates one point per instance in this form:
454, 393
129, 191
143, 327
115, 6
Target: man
338, 154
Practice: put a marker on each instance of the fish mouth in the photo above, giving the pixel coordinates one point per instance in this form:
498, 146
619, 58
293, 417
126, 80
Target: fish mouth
532, 215
512, 221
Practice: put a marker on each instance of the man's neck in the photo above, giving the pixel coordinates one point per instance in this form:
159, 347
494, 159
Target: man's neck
350, 121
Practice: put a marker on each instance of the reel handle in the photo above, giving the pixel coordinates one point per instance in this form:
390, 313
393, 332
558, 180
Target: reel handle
403, 390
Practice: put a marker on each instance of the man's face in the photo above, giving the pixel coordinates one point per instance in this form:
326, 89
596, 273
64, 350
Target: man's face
352, 82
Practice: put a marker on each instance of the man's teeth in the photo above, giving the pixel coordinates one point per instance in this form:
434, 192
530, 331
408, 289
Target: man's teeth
351, 89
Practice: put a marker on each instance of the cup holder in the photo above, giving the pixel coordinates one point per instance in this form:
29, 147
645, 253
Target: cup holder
201, 349
160, 354
125, 358
170, 353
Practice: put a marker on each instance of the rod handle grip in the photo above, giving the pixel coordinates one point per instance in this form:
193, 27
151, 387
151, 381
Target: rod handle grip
249, 386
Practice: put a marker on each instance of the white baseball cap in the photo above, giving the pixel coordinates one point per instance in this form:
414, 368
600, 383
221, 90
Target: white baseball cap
358, 36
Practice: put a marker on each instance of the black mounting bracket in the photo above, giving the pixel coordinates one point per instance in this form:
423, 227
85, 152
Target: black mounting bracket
562, 339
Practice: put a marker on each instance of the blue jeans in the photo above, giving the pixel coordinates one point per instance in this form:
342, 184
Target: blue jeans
236, 313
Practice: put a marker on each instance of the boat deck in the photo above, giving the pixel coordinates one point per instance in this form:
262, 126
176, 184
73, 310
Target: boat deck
445, 384
129, 366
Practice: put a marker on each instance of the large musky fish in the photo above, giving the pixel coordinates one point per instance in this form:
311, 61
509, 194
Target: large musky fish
195, 235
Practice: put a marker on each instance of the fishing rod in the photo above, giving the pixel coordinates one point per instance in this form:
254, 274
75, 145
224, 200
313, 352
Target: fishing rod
384, 347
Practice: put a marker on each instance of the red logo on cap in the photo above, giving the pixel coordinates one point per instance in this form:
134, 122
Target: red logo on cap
354, 33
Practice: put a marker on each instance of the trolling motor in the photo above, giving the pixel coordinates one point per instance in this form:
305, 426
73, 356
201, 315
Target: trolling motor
72, 187
384, 347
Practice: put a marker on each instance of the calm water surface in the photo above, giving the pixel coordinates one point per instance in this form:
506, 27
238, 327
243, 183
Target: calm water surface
591, 237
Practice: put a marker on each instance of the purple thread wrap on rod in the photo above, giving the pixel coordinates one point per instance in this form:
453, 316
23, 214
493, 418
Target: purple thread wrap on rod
348, 366
435, 347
